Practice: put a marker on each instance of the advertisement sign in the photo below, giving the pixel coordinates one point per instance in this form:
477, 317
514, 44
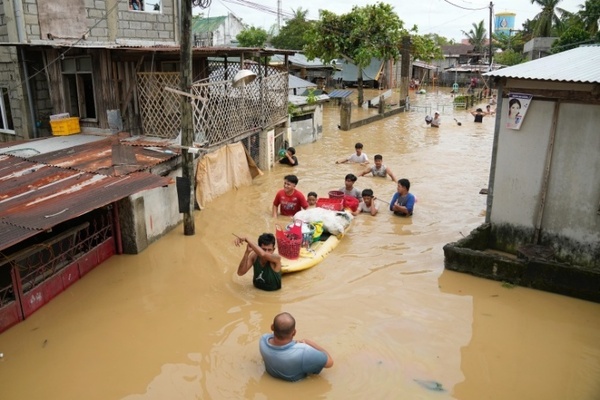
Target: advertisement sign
518, 103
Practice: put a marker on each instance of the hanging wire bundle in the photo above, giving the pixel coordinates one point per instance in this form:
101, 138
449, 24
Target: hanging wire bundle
201, 3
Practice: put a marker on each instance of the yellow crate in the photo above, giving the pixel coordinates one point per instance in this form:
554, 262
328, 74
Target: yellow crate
65, 126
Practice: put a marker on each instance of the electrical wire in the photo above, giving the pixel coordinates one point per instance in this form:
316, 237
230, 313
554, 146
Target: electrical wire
466, 8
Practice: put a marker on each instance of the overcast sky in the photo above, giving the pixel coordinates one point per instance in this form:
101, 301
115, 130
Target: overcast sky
431, 16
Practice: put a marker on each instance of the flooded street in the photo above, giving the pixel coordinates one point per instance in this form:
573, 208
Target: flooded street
176, 322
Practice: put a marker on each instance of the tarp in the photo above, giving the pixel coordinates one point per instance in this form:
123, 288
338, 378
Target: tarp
227, 168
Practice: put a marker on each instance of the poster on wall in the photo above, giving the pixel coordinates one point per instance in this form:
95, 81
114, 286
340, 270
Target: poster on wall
518, 103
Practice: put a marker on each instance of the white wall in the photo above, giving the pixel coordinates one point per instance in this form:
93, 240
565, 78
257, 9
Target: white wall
574, 187
520, 164
573, 194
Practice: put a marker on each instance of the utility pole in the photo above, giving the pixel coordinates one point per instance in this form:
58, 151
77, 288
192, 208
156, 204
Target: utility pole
279, 15
490, 47
187, 119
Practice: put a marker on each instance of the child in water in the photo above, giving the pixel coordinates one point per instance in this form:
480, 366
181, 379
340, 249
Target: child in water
368, 204
311, 198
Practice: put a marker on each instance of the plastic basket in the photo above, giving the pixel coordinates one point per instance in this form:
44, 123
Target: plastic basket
351, 202
331, 204
65, 126
336, 194
288, 243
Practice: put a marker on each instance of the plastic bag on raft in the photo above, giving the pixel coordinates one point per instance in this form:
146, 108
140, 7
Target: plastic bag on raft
334, 222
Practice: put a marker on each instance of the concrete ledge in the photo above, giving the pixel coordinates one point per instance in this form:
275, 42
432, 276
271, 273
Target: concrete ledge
469, 255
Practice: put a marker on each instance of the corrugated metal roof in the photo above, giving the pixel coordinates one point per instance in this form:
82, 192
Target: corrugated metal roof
300, 60
339, 94
294, 83
581, 65
35, 197
89, 153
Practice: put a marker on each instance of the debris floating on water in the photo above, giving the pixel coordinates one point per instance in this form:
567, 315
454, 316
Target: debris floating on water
431, 385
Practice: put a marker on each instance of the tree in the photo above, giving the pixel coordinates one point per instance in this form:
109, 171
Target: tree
252, 37
477, 37
504, 42
358, 36
292, 33
509, 57
547, 20
573, 36
590, 15
424, 47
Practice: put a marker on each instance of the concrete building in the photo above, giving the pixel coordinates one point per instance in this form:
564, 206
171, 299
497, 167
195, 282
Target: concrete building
216, 31
543, 203
538, 47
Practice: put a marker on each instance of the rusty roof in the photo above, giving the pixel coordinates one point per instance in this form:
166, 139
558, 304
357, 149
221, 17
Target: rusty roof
35, 197
107, 156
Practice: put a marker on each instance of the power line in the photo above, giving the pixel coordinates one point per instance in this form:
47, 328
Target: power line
466, 8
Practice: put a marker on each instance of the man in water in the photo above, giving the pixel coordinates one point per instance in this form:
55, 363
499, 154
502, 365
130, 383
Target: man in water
289, 359
403, 202
262, 258
288, 201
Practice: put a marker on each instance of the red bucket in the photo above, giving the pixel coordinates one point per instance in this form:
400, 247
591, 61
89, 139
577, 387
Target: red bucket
336, 194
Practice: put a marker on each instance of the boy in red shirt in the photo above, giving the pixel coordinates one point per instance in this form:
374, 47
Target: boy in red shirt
289, 200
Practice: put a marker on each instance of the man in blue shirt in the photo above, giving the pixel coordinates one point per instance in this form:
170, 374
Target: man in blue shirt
289, 359
403, 202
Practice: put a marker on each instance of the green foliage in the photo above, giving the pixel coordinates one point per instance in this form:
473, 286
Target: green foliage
460, 99
547, 21
358, 36
590, 16
292, 109
509, 57
252, 37
439, 40
424, 47
291, 35
312, 97
572, 37
514, 42
477, 36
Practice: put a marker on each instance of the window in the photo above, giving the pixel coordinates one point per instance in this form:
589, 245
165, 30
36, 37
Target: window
6, 121
145, 5
79, 87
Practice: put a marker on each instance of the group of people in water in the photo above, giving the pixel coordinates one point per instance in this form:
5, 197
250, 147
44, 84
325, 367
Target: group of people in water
284, 357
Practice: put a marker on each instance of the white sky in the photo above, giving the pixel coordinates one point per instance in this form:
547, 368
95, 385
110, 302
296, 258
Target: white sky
431, 16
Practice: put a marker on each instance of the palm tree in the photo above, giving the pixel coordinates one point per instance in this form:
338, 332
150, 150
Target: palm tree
477, 37
590, 15
547, 19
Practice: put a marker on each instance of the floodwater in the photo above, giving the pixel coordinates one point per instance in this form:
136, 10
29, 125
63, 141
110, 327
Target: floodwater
176, 322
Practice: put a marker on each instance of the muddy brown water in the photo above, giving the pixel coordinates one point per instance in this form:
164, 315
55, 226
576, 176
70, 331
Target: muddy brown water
176, 322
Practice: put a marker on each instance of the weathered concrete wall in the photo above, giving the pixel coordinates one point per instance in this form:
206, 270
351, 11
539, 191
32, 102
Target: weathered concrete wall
520, 165
99, 20
467, 256
147, 216
573, 198
570, 221
147, 25
307, 128
10, 76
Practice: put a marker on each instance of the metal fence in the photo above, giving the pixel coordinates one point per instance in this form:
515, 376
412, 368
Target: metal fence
221, 112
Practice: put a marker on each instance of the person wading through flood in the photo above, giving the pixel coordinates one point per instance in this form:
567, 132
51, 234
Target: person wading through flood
262, 258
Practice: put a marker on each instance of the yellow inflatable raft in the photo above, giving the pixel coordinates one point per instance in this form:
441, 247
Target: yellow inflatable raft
311, 257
